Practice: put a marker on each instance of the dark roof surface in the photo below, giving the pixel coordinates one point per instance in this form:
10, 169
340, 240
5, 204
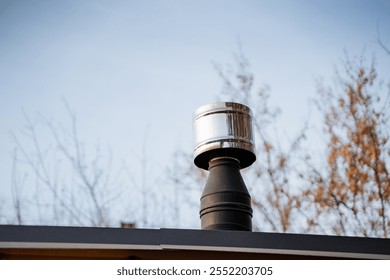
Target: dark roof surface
31, 242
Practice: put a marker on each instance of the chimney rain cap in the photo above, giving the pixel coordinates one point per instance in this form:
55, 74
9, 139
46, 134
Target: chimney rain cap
223, 129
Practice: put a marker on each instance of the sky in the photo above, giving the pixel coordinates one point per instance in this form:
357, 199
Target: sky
134, 72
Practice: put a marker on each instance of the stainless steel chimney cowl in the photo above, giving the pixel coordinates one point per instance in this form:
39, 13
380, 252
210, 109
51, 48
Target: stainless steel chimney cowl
223, 129
224, 145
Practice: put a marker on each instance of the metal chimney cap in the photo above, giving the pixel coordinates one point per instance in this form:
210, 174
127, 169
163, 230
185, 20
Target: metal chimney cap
223, 129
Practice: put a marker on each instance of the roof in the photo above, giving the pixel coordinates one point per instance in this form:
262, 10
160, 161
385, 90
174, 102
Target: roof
48, 242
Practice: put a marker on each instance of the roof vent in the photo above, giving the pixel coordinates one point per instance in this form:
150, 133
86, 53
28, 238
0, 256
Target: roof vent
224, 145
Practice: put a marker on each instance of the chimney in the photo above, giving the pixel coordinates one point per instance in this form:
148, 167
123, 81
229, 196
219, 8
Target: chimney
224, 145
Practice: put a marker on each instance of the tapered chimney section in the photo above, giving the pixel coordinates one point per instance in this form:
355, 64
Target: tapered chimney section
223, 145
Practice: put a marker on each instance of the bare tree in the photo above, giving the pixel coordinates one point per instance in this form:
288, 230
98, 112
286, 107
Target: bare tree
76, 185
71, 187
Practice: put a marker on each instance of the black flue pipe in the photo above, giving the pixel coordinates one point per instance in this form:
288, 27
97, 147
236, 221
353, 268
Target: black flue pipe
225, 201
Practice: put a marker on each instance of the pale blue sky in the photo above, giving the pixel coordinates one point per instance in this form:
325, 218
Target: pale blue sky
130, 68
